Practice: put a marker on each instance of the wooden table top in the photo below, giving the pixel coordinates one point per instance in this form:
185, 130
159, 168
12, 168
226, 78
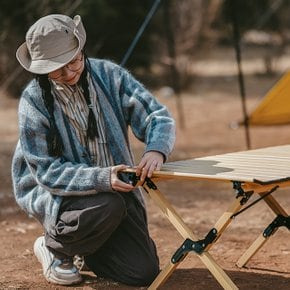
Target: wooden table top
264, 166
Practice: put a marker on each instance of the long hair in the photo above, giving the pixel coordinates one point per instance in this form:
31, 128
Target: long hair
55, 144
54, 141
92, 130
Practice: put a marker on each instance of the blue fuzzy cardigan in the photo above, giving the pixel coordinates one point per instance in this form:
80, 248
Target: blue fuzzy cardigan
40, 181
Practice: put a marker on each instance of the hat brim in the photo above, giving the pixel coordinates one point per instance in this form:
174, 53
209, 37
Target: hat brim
45, 66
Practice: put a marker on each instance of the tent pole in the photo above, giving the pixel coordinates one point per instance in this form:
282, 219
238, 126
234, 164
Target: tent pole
175, 77
140, 32
236, 37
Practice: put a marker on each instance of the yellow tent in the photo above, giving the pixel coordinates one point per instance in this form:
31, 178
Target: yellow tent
275, 107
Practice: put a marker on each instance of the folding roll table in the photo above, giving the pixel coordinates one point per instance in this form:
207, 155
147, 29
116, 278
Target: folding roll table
260, 171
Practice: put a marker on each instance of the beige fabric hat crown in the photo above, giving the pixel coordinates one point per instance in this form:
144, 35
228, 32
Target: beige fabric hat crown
51, 42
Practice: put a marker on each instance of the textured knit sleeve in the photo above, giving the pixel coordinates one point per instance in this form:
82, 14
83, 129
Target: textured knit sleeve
150, 121
60, 176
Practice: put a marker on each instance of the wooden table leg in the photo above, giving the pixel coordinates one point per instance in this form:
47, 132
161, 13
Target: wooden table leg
262, 239
251, 251
163, 275
186, 233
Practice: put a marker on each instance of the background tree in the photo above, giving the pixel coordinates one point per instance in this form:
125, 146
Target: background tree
176, 33
111, 26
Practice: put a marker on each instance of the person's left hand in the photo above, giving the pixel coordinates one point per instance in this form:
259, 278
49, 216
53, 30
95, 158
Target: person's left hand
151, 160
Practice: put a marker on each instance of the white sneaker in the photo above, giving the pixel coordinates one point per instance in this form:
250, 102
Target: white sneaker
56, 271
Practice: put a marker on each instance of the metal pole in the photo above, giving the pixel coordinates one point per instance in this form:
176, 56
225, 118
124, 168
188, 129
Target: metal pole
236, 37
140, 32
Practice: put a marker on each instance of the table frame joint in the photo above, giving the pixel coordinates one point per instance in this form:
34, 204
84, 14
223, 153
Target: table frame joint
279, 221
237, 186
196, 246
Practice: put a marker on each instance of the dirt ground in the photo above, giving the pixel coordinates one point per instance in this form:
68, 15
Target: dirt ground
210, 108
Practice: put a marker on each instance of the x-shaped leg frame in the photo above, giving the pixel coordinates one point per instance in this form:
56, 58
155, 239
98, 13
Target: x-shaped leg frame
191, 243
201, 246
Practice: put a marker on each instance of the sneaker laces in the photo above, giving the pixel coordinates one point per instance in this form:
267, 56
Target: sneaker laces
79, 262
66, 264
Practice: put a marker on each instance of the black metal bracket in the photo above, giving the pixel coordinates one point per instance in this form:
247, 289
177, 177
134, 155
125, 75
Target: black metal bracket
256, 201
279, 221
195, 246
132, 178
237, 186
129, 177
150, 183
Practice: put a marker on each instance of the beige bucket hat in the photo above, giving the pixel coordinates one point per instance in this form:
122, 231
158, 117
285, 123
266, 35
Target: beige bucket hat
51, 42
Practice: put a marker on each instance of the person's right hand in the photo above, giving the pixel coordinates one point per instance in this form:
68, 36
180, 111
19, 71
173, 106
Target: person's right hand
118, 184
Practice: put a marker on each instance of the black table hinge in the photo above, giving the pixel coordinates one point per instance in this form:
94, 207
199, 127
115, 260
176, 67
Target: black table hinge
129, 177
195, 246
279, 221
132, 178
237, 186
255, 201
150, 183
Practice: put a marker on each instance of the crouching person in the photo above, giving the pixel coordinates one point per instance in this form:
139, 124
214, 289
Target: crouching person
73, 142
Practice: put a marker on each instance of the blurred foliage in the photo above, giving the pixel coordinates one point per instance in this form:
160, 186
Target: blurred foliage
268, 16
111, 26
177, 30
265, 14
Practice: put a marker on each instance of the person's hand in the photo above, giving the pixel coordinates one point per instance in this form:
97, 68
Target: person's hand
118, 184
151, 160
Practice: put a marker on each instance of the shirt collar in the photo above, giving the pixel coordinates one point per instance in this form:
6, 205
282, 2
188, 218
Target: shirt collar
64, 92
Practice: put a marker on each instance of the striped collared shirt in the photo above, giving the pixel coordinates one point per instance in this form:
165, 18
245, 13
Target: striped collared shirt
73, 103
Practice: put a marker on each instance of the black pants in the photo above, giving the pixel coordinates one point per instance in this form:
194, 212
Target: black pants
110, 230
